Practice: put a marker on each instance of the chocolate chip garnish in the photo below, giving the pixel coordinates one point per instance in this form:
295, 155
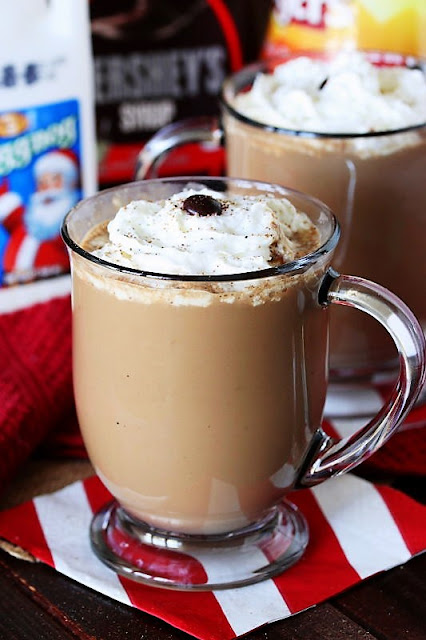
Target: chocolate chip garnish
201, 205
323, 83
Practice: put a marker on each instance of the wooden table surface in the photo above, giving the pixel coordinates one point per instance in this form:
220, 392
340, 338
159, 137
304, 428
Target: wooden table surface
37, 603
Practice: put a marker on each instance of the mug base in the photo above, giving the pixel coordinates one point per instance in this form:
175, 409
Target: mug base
136, 550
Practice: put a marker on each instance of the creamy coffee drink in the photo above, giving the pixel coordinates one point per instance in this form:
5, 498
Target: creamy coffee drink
197, 398
200, 342
353, 134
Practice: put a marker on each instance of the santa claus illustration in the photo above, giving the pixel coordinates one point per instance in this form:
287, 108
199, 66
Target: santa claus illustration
34, 246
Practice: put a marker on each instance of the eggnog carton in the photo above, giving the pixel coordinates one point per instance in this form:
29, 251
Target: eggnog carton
47, 145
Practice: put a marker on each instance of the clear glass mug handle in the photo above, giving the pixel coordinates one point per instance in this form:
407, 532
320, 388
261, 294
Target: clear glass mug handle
327, 457
204, 129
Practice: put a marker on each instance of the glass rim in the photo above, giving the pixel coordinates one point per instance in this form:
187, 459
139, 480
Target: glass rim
297, 266
252, 69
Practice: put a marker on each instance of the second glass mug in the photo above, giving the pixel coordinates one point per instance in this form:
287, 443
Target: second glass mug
374, 183
200, 398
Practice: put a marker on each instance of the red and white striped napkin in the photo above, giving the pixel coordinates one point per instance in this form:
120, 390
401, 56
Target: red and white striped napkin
356, 530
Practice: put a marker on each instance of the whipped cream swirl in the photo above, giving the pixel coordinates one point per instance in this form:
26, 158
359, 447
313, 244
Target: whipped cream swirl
251, 233
347, 94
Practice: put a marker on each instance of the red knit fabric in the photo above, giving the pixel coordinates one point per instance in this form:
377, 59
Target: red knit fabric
35, 379
404, 453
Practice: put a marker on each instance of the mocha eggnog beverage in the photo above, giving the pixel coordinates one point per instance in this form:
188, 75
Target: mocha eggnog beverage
197, 398
366, 160
200, 341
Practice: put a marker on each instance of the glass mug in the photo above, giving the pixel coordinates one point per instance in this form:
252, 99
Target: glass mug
200, 398
373, 182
